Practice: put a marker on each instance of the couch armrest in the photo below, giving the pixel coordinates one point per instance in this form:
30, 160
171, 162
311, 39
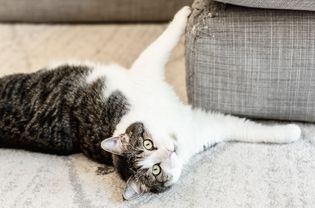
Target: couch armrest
251, 62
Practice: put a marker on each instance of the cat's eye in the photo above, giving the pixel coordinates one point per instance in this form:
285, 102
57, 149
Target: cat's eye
148, 144
156, 169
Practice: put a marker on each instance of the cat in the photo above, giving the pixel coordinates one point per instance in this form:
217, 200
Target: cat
131, 119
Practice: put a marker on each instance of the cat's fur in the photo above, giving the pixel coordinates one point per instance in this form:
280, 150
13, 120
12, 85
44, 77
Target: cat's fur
56, 111
73, 108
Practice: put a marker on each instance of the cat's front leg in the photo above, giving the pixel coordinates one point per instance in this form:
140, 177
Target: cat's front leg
244, 130
153, 59
231, 128
211, 128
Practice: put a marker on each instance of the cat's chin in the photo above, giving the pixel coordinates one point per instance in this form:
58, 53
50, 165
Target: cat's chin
173, 180
175, 173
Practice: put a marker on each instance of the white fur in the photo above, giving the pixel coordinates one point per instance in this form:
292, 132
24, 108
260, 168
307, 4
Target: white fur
154, 102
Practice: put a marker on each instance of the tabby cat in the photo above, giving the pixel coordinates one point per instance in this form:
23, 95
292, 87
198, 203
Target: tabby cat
131, 119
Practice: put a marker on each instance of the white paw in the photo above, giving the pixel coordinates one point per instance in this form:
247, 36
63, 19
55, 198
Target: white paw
293, 132
183, 13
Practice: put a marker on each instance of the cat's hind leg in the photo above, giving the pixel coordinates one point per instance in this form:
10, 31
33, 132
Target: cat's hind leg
153, 59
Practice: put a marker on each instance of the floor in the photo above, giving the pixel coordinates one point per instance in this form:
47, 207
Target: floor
228, 175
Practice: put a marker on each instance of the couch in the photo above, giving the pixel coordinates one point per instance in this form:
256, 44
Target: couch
253, 58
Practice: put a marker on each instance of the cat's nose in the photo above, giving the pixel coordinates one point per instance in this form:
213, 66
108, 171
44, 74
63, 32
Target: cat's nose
172, 148
169, 153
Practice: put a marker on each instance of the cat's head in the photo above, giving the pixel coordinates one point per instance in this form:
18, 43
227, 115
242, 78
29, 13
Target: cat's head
152, 163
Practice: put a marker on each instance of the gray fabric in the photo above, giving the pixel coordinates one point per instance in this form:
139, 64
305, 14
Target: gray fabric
275, 4
88, 10
253, 62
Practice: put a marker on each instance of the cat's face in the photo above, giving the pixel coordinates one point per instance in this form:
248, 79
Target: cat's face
152, 162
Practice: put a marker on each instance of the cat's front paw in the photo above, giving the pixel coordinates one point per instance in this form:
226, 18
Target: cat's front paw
293, 132
183, 12
182, 15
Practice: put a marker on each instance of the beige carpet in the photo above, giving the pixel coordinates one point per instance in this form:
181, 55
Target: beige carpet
228, 175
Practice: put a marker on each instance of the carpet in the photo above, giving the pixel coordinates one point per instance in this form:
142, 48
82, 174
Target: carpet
227, 175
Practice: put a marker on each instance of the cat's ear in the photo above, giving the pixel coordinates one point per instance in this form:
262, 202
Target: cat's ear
133, 189
113, 145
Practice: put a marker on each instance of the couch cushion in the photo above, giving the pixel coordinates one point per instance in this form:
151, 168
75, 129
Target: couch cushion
275, 4
253, 62
89, 10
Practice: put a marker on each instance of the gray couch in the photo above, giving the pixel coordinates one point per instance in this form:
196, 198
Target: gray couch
254, 62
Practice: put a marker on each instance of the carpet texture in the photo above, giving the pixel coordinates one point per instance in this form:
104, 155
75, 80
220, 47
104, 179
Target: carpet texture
227, 175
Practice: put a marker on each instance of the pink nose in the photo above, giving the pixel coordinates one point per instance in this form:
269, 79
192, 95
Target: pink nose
169, 153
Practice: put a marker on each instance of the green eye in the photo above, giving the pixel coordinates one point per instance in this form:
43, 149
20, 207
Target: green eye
148, 144
156, 169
